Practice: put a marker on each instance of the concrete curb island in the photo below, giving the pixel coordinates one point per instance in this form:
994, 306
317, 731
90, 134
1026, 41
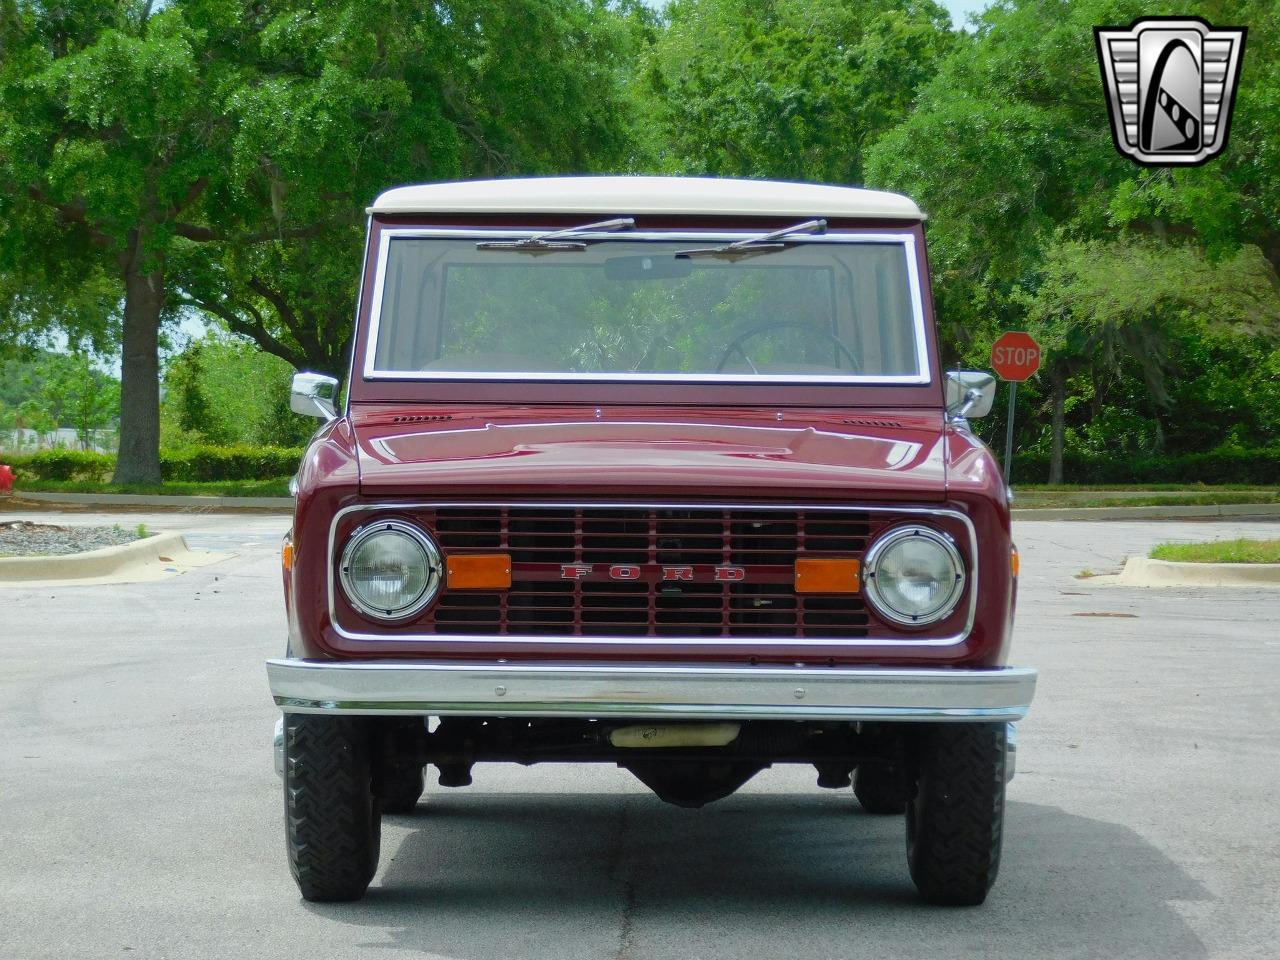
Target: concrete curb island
102, 562
150, 558
1146, 572
175, 502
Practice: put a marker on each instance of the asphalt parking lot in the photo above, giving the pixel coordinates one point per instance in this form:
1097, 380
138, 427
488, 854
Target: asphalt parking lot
140, 816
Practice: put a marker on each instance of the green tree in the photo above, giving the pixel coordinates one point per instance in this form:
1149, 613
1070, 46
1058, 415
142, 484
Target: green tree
1232, 383
294, 299
1010, 147
8, 424
359, 96
223, 390
160, 143
112, 131
184, 381
34, 415
1234, 199
78, 395
1009, 150
1007, 146
1101, 305
793, 89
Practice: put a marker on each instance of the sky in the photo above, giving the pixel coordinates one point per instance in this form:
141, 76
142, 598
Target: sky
960, 9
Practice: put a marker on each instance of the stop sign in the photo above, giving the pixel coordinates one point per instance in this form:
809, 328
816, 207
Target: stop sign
1015, 356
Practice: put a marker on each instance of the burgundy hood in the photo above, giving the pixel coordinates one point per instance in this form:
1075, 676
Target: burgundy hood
560, 452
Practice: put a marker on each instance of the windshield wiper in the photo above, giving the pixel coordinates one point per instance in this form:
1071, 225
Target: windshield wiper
557, 239
754, 246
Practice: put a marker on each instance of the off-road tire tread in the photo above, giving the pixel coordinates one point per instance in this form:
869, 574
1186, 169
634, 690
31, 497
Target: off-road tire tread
955, 820
880, 790
332, 819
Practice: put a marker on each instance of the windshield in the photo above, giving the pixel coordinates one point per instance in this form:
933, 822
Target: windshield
817, 309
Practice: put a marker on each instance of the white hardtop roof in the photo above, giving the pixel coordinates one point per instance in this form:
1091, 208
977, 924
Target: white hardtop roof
640, 195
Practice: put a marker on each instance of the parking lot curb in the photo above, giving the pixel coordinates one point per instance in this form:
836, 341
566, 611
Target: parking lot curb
175, 502
1170, 512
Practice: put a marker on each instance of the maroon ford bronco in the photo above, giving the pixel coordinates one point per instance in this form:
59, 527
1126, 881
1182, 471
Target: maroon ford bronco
656, 472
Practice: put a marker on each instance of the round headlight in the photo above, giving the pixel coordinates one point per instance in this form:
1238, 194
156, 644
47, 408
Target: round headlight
914, 575
390, 570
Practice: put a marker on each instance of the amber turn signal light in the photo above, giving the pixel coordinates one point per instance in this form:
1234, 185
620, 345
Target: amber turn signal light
1014, 562
828, 576
487, 571
286, 555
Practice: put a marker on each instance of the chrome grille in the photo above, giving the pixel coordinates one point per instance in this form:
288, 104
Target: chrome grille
765, 543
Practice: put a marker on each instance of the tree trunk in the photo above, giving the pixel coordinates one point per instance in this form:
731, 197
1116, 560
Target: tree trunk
139, 457
1058, 400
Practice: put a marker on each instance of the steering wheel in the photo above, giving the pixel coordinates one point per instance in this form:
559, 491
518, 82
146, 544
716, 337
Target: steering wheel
736, 344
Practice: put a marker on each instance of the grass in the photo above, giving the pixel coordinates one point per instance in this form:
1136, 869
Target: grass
1178, 487
1219, 551
278, 487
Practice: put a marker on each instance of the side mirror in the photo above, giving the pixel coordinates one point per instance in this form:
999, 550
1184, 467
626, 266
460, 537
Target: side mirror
313, 395
969, 393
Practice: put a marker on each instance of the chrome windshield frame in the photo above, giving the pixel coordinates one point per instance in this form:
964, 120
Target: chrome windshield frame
924, 374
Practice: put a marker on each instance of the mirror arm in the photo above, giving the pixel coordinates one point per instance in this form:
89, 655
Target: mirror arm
971, 398
325, 409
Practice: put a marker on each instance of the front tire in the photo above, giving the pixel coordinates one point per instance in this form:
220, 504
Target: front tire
332, 819
955, 821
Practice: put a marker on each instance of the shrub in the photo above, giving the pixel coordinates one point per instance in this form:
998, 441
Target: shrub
242, 463
229, 463
61, 465
188, 464
1227, 465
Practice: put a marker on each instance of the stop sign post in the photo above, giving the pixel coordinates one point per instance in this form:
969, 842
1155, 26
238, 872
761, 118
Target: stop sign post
1015, 356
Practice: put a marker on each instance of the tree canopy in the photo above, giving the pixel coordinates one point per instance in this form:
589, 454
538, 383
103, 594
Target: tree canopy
214, 158
787, 89
218, 154
112, 133
1036, 219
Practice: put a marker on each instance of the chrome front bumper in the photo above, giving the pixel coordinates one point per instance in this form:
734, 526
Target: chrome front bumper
688, 692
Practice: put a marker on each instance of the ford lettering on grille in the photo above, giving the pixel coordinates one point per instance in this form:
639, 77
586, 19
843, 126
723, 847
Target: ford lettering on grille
648, 573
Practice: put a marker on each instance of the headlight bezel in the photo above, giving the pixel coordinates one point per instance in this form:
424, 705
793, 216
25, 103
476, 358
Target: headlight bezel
870, 572
432, 557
